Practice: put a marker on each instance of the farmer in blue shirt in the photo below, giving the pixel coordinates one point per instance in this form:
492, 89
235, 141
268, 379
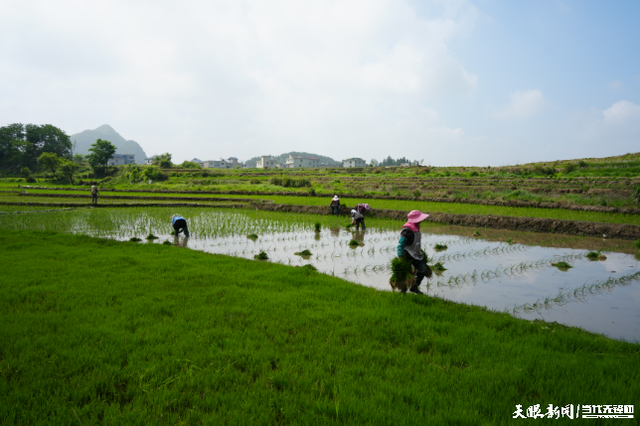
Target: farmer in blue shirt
409, 247
179, 224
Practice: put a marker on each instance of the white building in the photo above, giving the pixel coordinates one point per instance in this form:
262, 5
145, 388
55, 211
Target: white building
294, 162
200, 162
220, 164
149, 160
265, 162
233, 163
354, 162
121, 159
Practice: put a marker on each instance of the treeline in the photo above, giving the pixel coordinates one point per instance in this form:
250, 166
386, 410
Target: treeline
22, 144
391, 162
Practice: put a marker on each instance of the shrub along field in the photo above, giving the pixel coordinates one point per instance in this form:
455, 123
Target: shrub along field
99, 331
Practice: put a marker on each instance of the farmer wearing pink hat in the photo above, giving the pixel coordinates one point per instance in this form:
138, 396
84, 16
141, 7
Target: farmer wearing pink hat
358, 217
409, 247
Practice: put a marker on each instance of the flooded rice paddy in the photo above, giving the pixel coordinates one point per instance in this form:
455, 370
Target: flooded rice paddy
601, 296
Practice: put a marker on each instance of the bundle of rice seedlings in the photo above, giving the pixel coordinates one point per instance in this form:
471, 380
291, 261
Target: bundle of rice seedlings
304, 253
596, 255
438, 267
401, 274
261, 256
563, 266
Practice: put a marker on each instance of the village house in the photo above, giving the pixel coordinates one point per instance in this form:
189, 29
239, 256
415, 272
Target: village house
354, 162
295, 161
121, 159
265, 162
211, 164
233, 163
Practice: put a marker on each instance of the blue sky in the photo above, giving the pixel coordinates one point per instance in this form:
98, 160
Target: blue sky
475, 83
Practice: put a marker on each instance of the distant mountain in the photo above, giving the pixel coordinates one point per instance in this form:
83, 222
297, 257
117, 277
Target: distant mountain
85, 139
282, 158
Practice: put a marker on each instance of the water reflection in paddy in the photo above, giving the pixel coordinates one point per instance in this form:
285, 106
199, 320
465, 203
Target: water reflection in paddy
599, 296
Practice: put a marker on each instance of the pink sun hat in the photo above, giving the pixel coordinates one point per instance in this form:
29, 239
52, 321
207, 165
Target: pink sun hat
416, 216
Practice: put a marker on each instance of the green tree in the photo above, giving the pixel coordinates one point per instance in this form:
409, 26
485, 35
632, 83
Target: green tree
67, 169
48, 138
49, 161
8, 136
25, 172
163, 160
21, 145
101, 152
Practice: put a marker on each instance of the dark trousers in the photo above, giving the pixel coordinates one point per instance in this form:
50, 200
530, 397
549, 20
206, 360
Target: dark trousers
360, 222
181, 225
420, 267
94, 198
334, 209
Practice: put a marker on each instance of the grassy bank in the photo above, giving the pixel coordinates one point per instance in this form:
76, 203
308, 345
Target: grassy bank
427, 206
96, 331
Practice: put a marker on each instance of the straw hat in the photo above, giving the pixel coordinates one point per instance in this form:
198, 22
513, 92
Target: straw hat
416, 216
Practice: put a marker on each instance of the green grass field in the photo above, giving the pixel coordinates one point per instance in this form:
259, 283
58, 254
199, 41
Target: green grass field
100, 332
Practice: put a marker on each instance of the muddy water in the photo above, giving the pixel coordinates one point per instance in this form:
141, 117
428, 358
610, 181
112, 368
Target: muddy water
517, 278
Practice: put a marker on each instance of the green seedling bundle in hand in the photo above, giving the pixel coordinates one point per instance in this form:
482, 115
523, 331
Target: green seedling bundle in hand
401, 274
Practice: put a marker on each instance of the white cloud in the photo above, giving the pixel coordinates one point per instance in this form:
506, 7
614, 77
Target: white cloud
248, 75
622, 113
522, 104
602, 133
615, 84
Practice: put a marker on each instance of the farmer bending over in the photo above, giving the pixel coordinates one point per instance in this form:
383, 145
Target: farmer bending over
409, 247
179, 224
94, 195
335, 204
361, 210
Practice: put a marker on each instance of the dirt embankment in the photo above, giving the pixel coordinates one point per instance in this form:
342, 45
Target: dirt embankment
112, 205
503, 203
140, 197
530, 224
